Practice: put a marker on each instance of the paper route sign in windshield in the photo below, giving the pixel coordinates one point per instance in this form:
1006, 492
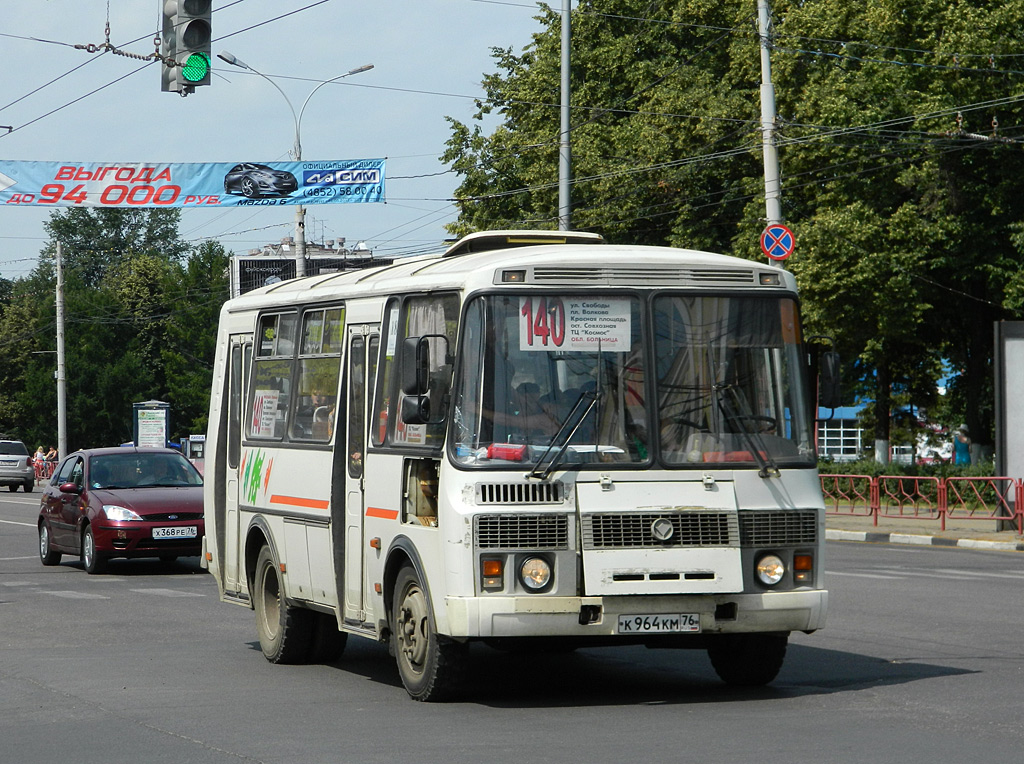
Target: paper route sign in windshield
223, 184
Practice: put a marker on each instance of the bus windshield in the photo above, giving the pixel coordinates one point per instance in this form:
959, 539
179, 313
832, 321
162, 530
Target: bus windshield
576, 380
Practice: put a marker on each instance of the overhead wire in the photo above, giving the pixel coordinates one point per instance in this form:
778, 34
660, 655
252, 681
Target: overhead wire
599, 112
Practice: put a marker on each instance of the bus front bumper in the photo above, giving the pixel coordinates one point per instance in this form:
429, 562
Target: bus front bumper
502, 616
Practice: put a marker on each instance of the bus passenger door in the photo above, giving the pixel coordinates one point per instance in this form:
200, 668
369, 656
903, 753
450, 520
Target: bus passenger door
239, 358
363, 343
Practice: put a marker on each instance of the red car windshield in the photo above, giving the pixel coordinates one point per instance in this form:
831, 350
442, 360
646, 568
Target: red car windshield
142, 470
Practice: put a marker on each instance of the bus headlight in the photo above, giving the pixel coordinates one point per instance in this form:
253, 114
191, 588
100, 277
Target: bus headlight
535, 574
770, 569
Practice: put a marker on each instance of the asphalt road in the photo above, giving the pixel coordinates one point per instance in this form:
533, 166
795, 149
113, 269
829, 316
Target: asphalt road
921, 662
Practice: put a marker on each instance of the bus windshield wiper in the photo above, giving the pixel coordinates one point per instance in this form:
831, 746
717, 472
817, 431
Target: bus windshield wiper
566, 430
728, 404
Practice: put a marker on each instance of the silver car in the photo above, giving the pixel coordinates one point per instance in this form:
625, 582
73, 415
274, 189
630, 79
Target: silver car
16, 466
254, 181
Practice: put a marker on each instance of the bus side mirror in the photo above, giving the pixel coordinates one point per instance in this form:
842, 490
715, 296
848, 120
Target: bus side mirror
415, 371
829, 396
416, 410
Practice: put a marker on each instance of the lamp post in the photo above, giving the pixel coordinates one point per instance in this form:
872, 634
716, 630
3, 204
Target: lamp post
300, 210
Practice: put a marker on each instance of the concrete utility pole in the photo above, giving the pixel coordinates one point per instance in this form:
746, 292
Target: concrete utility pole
564, 151
62, 402
772, 184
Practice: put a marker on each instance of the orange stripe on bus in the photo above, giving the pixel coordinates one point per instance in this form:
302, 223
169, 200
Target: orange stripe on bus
387, 514
298, 501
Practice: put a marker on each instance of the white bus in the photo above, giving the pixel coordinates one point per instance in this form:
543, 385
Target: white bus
531, 439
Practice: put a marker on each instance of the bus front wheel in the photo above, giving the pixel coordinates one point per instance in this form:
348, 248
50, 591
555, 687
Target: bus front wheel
285, 632
748, 660
430, 666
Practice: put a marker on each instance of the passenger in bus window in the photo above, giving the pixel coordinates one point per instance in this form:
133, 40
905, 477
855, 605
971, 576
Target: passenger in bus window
323, 415
536, 419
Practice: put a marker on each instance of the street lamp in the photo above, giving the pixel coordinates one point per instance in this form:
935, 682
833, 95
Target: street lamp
300, 211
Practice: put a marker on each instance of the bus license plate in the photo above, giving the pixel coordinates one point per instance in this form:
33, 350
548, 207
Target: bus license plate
677, 623
179, 532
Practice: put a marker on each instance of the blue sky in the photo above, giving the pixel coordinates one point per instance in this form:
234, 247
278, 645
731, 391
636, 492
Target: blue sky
429, 57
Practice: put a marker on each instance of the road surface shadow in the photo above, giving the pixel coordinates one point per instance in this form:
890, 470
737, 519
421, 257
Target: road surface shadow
637, 676
142, 566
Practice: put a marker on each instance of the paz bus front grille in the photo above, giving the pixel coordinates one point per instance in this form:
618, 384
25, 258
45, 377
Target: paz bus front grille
759, 528
637, 529
521, 531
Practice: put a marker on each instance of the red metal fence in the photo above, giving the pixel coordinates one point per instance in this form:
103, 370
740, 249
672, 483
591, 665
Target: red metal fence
925, 498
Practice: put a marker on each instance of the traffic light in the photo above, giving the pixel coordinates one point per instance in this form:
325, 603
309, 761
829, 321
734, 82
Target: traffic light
186, 41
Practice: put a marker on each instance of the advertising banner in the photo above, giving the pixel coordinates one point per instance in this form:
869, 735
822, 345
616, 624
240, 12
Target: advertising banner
199, 184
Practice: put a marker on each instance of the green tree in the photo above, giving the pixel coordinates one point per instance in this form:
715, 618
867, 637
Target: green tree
199, 287
25, 329
141, 321
95, 240
904, 215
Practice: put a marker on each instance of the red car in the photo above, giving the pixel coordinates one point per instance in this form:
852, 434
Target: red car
121, 502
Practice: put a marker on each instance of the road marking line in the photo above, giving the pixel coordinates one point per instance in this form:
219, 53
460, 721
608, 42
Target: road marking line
168, 592
15, 522
954, 576
68, 595
858, 575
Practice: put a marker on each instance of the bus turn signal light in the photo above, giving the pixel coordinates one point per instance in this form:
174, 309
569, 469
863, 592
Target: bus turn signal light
803, 568
492, 574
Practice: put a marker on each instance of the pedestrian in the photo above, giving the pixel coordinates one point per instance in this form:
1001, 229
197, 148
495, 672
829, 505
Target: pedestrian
962, 446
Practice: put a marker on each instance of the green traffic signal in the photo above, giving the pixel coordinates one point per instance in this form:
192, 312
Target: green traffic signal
196, 67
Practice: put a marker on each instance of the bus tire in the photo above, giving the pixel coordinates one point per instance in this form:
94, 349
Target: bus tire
748, 660
430, 666
285, 632
328, 641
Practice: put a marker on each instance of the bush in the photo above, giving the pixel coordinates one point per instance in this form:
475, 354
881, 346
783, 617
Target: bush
872, 468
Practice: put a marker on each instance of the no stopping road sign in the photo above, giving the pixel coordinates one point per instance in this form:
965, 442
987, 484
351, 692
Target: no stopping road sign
777, 241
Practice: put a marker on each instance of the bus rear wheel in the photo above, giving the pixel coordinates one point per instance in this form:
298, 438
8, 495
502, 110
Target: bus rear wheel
431, 666
748, 660
285, 632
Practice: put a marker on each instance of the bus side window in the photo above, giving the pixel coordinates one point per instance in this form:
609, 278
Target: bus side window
420, 492
435, 319
235, 407
356, 406
382, 374
273, 369
314, 410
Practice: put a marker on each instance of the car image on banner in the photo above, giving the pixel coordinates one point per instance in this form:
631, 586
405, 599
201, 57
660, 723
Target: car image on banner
254, 181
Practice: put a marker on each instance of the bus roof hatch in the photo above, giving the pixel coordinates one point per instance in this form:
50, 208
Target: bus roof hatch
484, 241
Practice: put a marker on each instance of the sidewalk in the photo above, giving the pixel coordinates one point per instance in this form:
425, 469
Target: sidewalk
969, 534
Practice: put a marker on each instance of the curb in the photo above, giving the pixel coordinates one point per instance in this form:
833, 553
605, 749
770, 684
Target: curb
907, 538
